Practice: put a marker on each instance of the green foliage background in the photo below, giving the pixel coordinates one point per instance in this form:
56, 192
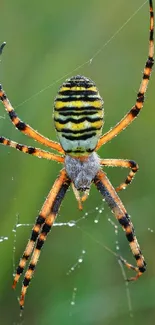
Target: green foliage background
45, 41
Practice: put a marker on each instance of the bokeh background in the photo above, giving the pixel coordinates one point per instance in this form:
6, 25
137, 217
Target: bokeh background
47, 40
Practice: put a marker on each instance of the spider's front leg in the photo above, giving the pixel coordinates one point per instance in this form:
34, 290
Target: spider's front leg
25, 128
135, 110
124, 164
106, 189
40, 231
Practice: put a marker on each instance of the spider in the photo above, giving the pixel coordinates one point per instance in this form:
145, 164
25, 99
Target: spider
78, 118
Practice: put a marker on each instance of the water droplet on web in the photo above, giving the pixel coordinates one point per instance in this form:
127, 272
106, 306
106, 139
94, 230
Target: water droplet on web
72, 303
151, 230
80, 260
73, 297
78, 263
3, 238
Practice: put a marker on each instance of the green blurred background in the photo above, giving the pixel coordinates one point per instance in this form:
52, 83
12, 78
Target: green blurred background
45, 41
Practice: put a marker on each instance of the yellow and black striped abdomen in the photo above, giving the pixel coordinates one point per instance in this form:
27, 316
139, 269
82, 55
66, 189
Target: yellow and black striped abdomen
78, 116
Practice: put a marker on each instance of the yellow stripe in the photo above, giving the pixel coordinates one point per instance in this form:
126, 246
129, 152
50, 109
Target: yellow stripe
78, 88
78, 104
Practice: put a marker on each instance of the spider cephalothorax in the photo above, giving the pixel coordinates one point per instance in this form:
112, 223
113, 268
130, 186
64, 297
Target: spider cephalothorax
82, 172
78, 117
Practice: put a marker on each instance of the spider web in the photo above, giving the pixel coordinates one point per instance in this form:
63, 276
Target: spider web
78, 264
80, 260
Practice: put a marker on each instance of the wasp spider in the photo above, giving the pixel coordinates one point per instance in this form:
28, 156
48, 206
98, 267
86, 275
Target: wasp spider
78, 117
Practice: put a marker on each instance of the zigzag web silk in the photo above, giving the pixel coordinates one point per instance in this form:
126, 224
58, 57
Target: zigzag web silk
78, 264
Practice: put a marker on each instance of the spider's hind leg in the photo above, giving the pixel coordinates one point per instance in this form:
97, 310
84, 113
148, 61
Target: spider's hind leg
108, 192
40, 230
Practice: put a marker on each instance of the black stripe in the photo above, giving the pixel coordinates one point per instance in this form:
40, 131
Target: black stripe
149, 63
21, 126
77, 121
12, 114
26, 257
79, 131
40, 220
151, 33
60, 197
39, 244
34, 235
79, 151
1, 47
19, 146
19, 270
140, 97
78, 109
134, 111
81, 137
31, 150
146, 76
26, 282
71, 92
32, 267
133, 165
137, 256
74, 99
124, 222
151, 12
130, 236
46, 228
83, 112
78, 83
2, 139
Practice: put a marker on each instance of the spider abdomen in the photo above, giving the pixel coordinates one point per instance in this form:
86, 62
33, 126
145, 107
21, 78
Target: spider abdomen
78, 116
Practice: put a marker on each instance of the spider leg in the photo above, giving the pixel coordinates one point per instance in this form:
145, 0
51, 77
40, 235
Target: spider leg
132, 114
2, 47
125, 164
108, 192
40, 230
31, 150
25, 128
79, 198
